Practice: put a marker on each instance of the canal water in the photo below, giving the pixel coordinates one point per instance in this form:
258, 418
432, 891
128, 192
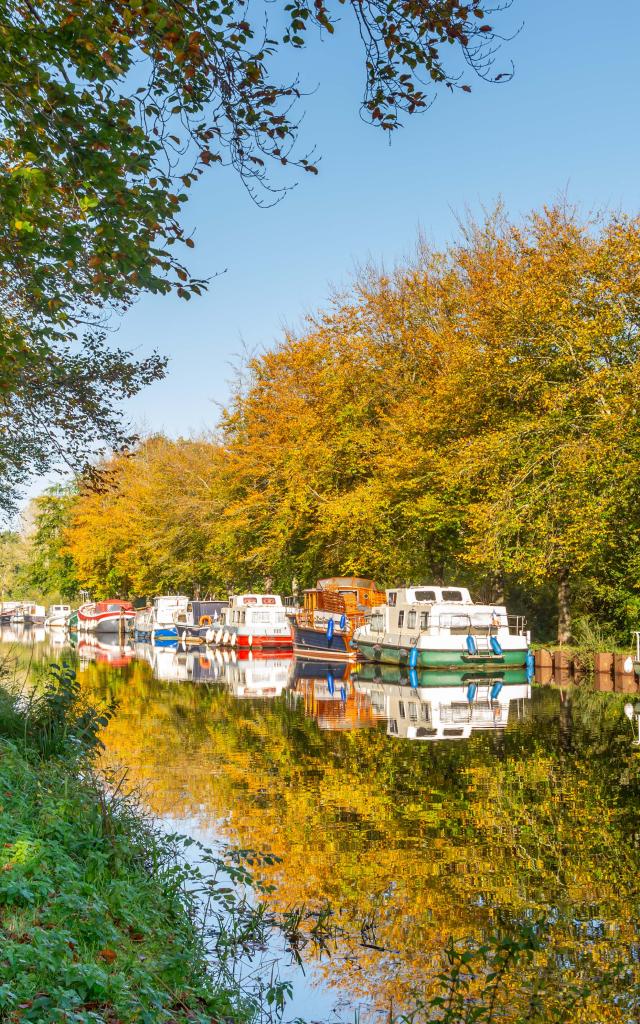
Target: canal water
455, 809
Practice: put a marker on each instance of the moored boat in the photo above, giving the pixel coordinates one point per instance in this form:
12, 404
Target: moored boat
163, 612
253, 621
58, 616
428, 626
331, 612
113, 616
143, 624
194, 622
7, 609
28, 613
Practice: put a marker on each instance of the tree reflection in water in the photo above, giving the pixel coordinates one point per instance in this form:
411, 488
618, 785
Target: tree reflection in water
528, 827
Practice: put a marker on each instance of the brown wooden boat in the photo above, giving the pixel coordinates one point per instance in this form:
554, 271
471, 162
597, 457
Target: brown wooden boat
332, 610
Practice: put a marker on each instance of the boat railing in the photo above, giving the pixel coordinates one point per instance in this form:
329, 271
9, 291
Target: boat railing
309, 619
459, 622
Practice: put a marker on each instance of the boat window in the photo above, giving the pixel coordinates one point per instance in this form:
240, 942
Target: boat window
401, 709
424, 620
411, 619
400, 619
425, 712
392, 599
451, 595
393, 726
244, 617
426, 595
413, 711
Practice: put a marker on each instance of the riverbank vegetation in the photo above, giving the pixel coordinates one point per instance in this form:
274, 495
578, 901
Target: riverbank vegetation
99, 911
471, 416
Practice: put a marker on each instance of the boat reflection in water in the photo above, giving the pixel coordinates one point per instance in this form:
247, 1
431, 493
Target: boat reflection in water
105, 651
250, 675
449, 705
21, 633
327, 693
245, 673
427, 705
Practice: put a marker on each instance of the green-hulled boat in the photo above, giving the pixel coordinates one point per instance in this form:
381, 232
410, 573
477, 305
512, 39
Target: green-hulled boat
430, 627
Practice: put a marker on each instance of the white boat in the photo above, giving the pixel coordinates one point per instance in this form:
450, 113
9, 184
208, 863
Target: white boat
253, 622
113, 617
163, 612
29, 614
427, 626
143, 624
58, 616
7, 609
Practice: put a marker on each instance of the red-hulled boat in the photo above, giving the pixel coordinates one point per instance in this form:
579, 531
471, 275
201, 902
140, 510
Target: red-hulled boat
113, 616
257, 621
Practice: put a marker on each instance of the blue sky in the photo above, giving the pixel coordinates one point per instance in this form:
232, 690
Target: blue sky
566, 123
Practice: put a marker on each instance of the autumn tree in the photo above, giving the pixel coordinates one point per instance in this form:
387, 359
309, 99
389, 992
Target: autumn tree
110, 112
472, 416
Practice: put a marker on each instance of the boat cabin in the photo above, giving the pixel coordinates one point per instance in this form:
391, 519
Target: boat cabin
199, 613
255, 612
439, 611
165, 607
352, 596
60, 609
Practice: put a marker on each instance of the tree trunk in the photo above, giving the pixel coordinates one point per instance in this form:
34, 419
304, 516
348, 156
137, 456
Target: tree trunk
564, 610
497, 589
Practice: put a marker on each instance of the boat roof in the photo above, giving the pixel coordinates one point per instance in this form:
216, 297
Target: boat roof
352, 582
430, 593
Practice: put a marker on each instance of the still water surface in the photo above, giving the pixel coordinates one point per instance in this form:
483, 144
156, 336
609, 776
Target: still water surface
416, 814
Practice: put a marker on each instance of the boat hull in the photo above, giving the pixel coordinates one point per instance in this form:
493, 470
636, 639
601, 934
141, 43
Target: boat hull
380, 672
262, 642
164, 634
314, 643
108, 625
436, 658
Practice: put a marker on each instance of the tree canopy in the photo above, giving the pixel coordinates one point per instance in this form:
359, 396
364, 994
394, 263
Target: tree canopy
109, 112
472, 416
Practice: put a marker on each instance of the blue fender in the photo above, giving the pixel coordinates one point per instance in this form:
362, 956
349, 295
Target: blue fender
343, 694
495, 689
413, 657
531, 663
471, 645
343, 621
495, 645
413, 678
471, 692
330, 628
331, 686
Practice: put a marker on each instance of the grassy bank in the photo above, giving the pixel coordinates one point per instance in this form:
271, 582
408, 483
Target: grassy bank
96, 923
